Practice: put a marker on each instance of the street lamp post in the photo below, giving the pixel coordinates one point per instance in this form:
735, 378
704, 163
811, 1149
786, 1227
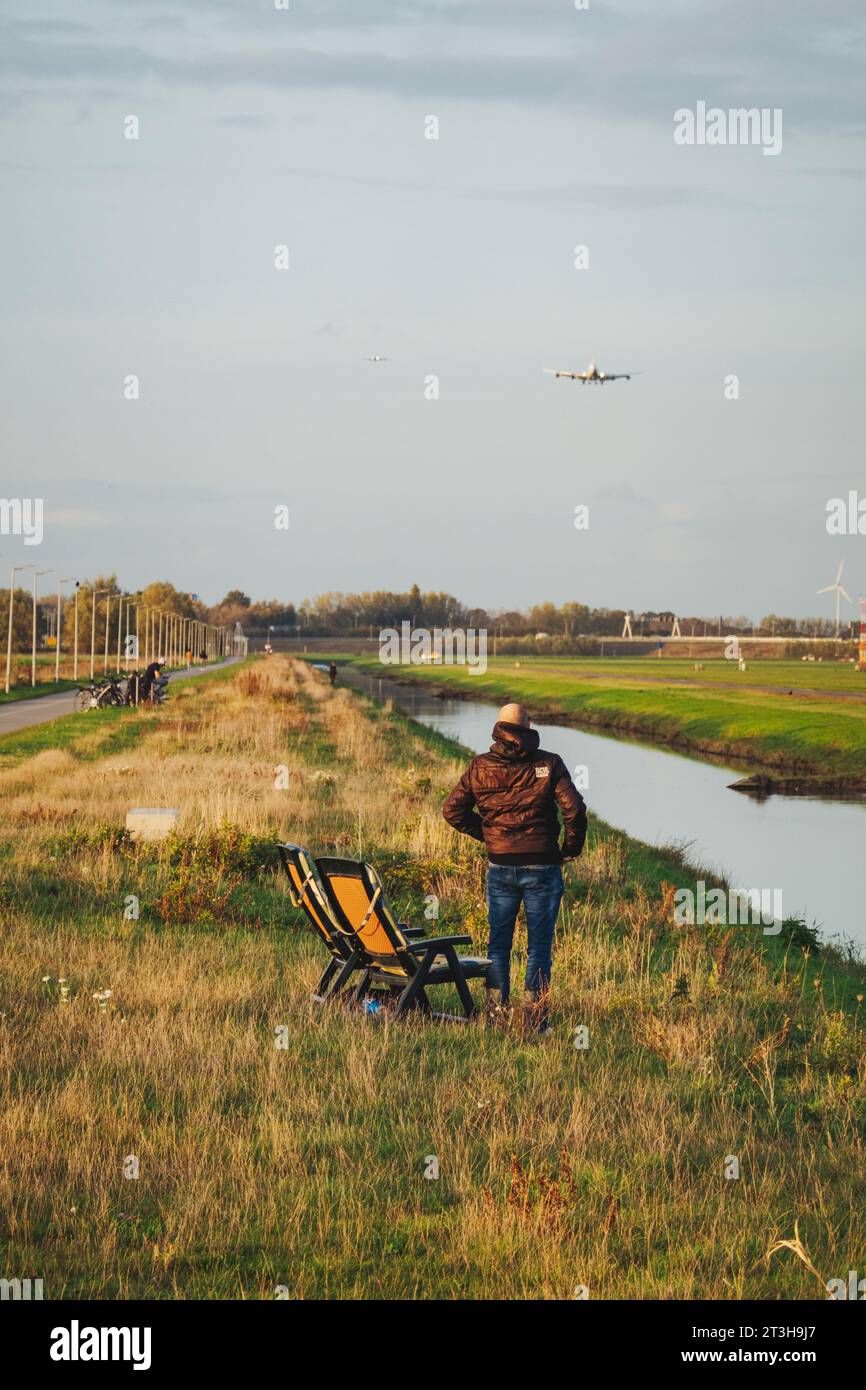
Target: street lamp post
119, 630
68, 580
57, 637
36, 575
107, 626
75, 653
96, 592
131, 641
15, 569
92, 634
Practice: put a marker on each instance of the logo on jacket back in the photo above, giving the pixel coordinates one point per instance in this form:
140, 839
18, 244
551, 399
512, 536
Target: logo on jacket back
542, 770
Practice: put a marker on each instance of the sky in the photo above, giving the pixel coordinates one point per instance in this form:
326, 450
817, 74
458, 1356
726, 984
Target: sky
457, 463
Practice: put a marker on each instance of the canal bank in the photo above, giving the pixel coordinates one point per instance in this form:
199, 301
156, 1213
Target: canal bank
779, 732
807, 849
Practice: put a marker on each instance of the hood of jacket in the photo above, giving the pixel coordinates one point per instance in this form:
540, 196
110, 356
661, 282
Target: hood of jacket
514, 741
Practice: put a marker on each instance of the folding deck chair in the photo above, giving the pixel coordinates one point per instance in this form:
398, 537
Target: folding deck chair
391, 953
306, 893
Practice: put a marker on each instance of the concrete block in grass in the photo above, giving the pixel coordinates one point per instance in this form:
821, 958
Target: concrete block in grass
151, 823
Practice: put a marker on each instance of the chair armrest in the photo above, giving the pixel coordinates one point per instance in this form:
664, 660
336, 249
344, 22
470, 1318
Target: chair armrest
437, 942
410, 931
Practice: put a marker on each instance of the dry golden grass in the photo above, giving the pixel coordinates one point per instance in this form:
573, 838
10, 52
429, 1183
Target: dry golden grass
303, 1164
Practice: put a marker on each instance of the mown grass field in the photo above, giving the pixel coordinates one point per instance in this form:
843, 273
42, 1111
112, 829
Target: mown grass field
303, 1166
814, 675
768, 729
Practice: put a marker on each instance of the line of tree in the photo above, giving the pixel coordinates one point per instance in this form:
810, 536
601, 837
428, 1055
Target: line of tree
335, 614
160, 596
22, 619
254, 617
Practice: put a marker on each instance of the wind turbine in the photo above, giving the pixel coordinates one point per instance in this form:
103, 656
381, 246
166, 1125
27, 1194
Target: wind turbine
840, 593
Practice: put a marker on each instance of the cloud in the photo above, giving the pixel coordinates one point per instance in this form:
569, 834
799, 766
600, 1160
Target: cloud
245, 120
624, 494
610, 196
295, 171
77, 518
620, 62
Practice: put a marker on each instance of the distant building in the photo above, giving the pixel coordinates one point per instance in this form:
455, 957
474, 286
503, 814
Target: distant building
657, 622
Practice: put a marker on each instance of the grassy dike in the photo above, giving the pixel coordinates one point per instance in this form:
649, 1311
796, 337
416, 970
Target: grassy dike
96, 733
302, 1164
762, 729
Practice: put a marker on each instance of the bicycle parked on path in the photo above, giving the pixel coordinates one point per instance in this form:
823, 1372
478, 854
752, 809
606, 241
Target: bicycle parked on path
103, 694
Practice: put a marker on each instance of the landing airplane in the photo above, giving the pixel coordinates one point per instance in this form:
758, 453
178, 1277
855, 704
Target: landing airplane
593, 374
377, 357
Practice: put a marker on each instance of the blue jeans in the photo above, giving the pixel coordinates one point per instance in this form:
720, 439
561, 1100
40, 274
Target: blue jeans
539, 888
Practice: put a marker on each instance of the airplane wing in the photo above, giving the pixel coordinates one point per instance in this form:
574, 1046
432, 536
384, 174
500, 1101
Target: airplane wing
575, 376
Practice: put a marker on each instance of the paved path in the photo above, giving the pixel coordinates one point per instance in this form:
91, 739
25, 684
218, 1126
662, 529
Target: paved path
23, 714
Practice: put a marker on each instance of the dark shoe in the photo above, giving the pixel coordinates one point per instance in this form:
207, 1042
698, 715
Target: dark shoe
496, 1011
535, 1011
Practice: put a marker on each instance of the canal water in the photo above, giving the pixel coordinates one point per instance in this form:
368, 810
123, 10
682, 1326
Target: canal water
809, 848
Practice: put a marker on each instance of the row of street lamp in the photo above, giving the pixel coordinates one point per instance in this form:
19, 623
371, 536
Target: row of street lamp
147, 633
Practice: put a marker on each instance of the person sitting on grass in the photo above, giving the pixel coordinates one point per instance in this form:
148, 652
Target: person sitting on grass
508, 798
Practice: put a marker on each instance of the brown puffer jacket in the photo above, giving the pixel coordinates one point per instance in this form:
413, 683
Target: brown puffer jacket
509, 797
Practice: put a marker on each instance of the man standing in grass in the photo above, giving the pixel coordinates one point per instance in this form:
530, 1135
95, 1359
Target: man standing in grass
509, 799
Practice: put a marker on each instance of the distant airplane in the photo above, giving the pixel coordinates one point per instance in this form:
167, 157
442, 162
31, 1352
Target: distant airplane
377, 357
593, 374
